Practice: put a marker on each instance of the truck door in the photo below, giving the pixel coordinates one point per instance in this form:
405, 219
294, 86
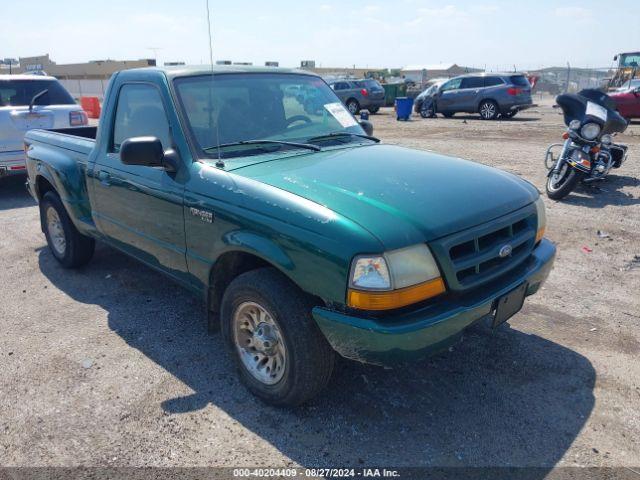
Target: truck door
140, 208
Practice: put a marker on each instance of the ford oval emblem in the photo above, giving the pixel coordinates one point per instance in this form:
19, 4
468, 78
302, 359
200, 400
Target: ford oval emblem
505, 251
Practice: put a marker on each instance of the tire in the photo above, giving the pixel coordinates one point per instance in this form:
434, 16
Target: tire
69, 247
252, 305
488, 110
353, 106
374, 110
570, 179
427, 111
448, 114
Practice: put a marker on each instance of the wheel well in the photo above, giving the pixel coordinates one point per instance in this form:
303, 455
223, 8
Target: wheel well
43, 186
351, 99
226, 268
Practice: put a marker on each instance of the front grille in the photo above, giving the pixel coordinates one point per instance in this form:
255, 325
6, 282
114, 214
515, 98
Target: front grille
472, 257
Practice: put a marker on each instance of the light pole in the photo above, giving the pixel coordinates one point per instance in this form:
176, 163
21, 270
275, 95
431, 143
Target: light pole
155, 53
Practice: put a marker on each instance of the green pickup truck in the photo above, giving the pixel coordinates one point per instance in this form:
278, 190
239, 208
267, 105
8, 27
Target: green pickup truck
305, 236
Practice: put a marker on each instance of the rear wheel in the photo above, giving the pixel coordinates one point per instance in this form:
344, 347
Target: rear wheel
488, 110
353, 106
560, 184
374, 110
281, 355
67, 244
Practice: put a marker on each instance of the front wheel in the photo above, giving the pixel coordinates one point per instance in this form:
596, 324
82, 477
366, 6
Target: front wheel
281, 355
67, 244
560, 184
427, 111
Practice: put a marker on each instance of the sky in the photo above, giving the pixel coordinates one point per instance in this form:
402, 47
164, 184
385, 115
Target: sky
496, 35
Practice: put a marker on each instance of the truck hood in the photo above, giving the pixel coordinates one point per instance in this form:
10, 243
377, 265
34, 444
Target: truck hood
402, 196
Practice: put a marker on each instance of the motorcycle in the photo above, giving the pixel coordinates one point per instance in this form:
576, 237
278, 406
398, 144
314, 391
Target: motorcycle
588, 152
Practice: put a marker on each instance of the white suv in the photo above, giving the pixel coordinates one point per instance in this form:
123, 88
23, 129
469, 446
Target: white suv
27, 102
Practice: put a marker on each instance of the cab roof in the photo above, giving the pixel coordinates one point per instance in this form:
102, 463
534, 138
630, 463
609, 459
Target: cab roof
189, 71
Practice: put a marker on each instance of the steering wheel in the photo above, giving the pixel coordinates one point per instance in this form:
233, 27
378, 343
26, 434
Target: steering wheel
298, 118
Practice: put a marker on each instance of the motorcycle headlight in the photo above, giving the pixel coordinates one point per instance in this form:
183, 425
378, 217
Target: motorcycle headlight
574, 124
607, 139
542, 219
394, 279
590, 131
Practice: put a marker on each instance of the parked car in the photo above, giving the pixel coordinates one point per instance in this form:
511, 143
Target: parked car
628, 102
31, 101
359, 94
491, 95
303, 234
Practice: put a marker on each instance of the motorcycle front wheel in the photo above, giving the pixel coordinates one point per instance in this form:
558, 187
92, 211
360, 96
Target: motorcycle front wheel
560, 184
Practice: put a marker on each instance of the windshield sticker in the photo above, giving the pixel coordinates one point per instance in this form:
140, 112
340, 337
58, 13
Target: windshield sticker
341, 114
597, 111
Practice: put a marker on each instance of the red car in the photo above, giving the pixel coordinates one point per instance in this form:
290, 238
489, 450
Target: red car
628, 103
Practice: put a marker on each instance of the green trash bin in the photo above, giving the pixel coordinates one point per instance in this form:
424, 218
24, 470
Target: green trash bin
390, 94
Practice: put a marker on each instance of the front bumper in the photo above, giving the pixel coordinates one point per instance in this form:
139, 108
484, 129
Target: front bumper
431, 328
12, 163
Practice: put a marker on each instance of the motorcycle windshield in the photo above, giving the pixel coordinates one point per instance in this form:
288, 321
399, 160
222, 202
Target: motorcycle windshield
592, 106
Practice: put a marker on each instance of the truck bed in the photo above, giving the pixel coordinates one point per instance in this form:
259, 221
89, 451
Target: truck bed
81, 139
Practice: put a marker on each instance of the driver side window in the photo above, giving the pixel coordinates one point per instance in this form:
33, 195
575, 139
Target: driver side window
140, 113
452, 84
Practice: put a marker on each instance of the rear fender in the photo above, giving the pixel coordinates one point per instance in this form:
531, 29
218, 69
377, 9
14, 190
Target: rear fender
67, 176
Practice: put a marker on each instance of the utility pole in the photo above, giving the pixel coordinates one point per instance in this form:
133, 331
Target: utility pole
155, 53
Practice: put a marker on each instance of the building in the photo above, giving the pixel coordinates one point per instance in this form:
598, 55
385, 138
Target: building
80, 79
422, 73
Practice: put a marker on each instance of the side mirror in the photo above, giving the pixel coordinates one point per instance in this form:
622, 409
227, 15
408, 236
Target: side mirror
367, 126
145, 151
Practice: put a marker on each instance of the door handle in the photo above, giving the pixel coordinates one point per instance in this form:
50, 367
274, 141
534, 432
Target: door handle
104, 178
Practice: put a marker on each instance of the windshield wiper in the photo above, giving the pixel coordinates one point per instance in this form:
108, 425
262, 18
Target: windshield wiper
262, 142
331, 135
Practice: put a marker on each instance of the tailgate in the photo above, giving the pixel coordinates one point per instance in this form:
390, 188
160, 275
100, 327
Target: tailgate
16, 121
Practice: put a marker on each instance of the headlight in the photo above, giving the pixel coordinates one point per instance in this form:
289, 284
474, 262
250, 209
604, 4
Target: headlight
590, 131
607, 139
574, 124
394, 279
542, 219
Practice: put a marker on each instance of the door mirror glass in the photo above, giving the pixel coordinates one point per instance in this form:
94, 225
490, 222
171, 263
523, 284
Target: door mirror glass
145, 151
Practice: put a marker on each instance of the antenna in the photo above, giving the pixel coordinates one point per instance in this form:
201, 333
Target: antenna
219, 162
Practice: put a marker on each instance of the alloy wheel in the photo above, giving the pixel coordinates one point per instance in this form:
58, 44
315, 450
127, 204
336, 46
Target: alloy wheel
488, 110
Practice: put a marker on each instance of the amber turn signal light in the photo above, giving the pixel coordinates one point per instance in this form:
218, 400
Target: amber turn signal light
370, 300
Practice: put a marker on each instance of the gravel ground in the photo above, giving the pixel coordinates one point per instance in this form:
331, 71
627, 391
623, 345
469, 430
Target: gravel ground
111, 365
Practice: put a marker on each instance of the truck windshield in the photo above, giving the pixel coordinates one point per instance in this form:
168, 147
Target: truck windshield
630, 60
18, 93
244, 107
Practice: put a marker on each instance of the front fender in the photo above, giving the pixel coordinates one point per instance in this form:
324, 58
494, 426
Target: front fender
250, 242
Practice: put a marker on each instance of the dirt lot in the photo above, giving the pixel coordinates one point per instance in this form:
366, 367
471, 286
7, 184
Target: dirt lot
112, 365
